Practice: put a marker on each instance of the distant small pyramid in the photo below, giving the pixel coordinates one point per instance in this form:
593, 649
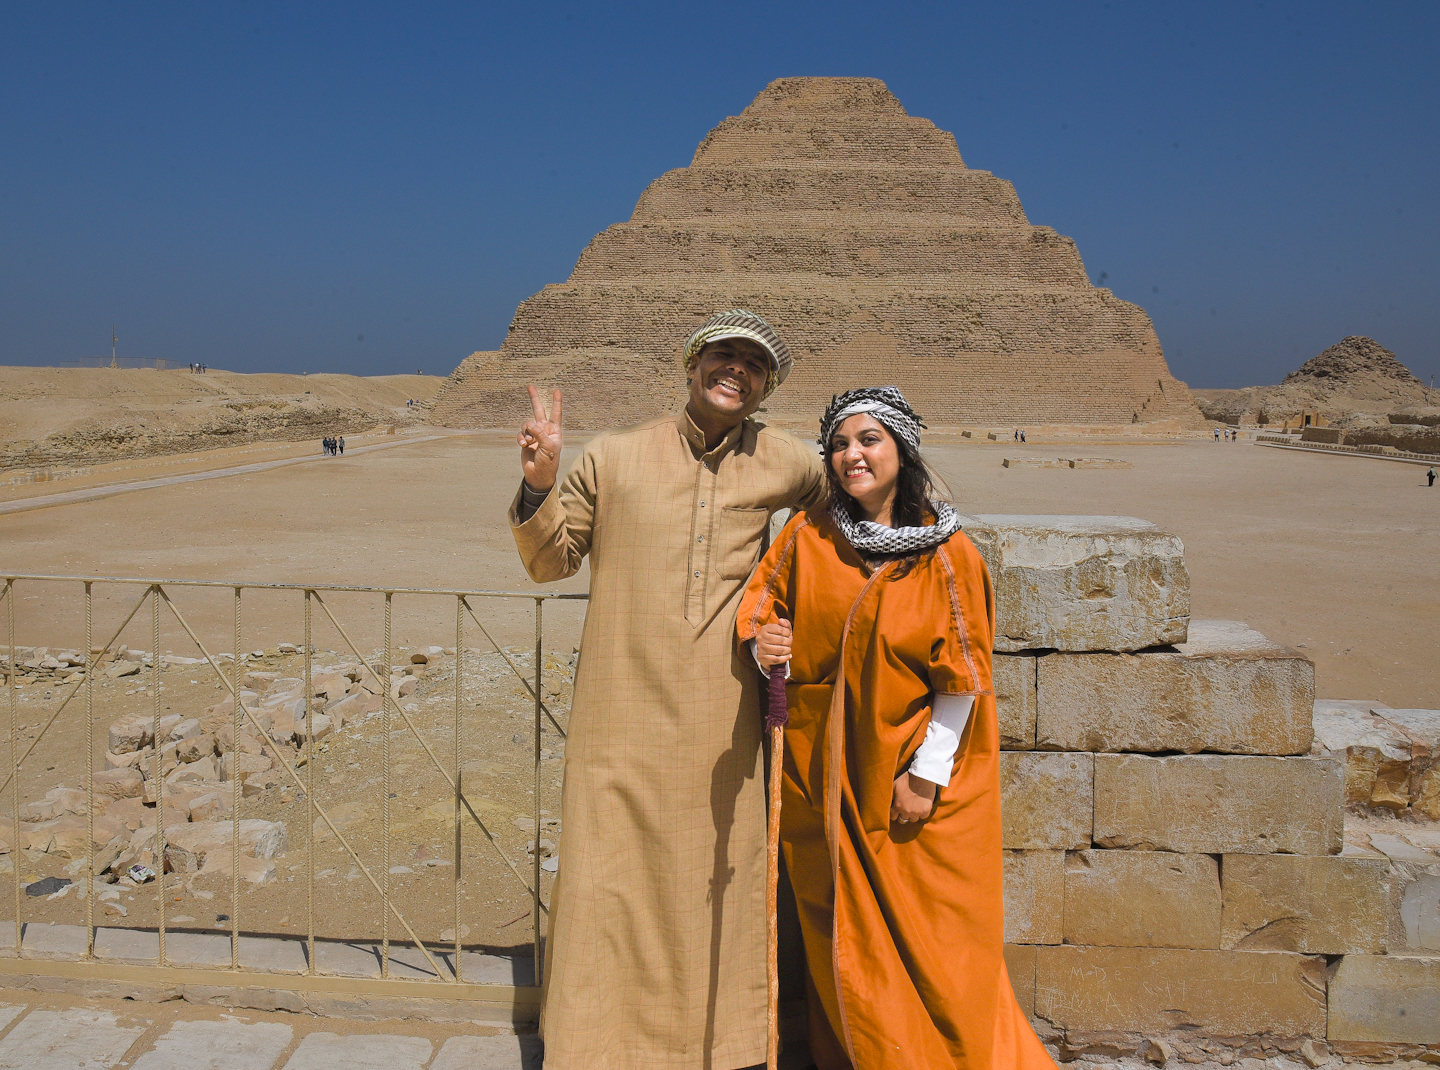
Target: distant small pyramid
859, 233
1352, 360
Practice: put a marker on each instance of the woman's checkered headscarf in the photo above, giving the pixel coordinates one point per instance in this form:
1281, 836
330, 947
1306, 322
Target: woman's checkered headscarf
890, 408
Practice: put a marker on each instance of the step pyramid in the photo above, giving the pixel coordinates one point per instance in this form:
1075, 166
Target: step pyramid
859, 232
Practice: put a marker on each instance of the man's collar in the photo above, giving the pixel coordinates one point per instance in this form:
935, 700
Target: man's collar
696, 437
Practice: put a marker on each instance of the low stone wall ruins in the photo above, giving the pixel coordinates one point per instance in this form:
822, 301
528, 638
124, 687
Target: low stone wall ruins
1201, 861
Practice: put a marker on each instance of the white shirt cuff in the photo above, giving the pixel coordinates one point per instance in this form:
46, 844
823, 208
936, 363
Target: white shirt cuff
935, 759
755, 653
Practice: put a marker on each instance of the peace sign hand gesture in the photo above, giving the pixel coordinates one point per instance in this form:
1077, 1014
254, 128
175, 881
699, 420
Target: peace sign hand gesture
540, 444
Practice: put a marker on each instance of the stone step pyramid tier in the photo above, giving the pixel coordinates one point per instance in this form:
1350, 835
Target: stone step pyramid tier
879, 257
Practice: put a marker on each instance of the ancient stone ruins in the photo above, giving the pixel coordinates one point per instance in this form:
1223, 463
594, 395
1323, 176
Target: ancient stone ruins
859, 232
1202, 861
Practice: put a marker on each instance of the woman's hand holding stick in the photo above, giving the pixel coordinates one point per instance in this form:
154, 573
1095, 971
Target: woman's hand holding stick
773, 645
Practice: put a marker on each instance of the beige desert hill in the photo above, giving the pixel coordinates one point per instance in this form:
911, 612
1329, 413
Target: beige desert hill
1355, 376
75, 416
879, 256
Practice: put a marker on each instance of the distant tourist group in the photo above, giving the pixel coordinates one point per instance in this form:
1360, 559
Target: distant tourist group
335, 447
1019, 435
1230, 435
198, 369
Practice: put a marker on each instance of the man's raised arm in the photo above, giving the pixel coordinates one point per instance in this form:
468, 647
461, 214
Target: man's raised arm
552, 530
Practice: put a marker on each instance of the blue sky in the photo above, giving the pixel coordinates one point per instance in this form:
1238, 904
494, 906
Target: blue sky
259, 186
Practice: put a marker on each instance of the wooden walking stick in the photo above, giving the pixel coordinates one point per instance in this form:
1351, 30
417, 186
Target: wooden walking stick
776, 715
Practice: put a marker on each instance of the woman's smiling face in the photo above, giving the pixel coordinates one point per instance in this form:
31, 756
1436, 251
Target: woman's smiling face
866, 461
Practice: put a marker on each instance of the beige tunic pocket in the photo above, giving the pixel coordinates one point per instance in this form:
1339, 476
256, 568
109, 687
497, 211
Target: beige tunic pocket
740, 531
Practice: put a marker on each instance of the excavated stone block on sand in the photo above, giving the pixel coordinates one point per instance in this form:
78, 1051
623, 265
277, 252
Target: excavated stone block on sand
1213, 804
1020, 965
1320, 904
1142, 899
1142, 990
1385, 998
1014, 676
1046, 800
1098, 462
1034, 462
1226, 688
1034, 897
1078, 583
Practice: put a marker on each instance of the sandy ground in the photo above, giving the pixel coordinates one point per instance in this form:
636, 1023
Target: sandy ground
1338, 556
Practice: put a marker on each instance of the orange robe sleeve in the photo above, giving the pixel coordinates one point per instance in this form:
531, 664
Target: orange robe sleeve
960, 656
769, 595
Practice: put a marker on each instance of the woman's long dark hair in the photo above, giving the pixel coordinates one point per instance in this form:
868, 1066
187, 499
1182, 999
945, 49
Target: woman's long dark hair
914, 489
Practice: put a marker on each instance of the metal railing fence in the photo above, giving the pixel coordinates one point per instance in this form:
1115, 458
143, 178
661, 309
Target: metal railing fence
162, 596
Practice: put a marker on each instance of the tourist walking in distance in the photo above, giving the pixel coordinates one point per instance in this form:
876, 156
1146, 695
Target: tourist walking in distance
340, 444
657, 929
884, 613
1430, 475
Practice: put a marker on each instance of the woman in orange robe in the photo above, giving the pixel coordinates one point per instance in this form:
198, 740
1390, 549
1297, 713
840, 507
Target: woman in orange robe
897, 877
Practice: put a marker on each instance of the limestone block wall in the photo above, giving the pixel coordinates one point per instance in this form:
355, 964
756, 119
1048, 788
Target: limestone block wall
1178, 879
859, 232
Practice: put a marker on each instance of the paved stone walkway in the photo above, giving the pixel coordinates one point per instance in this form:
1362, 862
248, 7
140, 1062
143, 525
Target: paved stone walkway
40, 1032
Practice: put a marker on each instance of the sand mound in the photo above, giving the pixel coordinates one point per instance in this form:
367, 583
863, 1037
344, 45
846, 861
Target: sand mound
1355, 376
65, 416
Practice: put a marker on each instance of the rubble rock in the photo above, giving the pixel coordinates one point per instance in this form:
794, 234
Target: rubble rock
1376, 755
1078, 583
193, 748
118, 783
185, 729
246, 764
130, 734
355, 707
56, 803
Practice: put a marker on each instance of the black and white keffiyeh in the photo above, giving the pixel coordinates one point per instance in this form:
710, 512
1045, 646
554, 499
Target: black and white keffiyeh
876, 540
890, 408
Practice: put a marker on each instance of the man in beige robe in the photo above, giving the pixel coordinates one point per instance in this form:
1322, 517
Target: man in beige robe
656, 955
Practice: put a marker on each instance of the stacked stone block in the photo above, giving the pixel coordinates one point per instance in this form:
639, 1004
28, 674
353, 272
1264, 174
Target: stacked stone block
860, 233
1176, 871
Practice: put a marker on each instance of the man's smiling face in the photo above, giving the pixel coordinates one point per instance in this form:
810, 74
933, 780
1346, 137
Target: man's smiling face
728, 380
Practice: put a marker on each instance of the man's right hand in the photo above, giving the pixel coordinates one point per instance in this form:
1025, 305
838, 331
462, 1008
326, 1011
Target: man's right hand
772, 644
540, 444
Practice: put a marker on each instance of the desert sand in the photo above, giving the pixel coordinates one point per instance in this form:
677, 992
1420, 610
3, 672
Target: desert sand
1338, 556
